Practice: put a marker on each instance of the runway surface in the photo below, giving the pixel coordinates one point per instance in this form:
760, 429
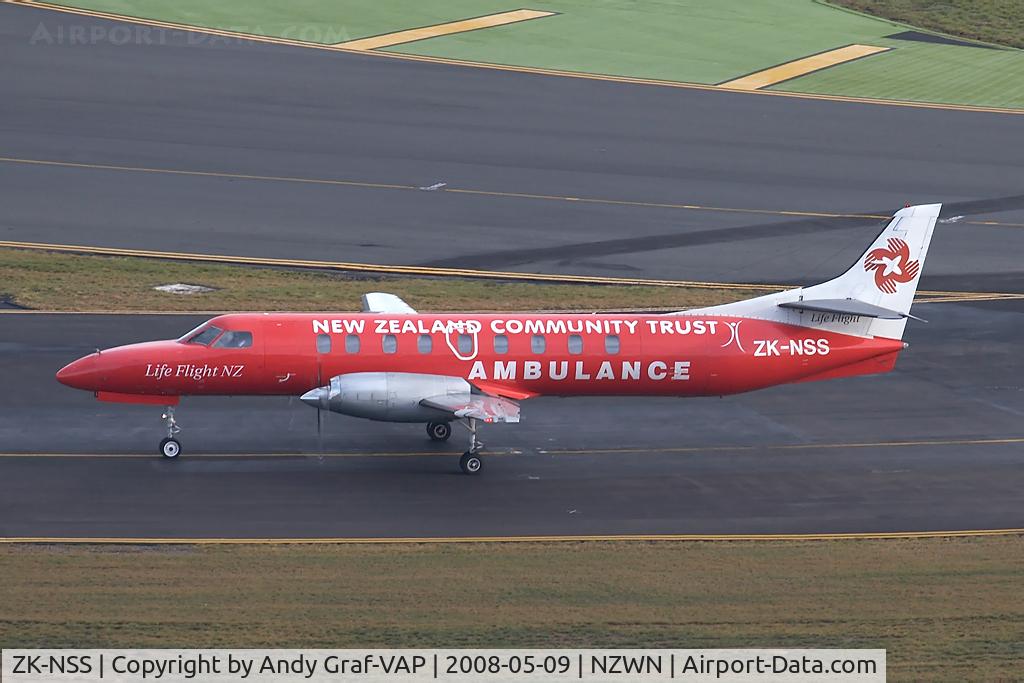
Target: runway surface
181, 101
936, 445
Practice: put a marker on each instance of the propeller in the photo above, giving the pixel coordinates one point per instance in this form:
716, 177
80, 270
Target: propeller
316, 397
319, 411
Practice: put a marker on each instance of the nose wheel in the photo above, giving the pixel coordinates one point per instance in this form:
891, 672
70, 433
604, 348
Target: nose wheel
170, 447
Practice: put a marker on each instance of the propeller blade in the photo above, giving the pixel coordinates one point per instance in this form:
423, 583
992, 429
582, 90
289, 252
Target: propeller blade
319, 410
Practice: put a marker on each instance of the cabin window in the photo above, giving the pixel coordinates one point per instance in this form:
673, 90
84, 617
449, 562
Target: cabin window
389, 343
352, 343
425, 343
537, 343
234, 339
575, 344
465, 344
501, 343
323, 343
204, 336
611, 344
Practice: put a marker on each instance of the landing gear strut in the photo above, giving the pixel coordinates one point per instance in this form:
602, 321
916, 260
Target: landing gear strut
439, 431
170, 447
470, 461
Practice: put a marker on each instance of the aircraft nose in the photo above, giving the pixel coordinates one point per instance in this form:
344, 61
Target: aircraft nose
79, 374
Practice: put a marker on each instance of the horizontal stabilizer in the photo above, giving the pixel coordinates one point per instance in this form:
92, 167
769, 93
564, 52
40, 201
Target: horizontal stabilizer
478, 406
846, 307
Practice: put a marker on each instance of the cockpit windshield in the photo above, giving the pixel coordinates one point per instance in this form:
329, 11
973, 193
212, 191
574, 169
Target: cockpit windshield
203, 335
234, 339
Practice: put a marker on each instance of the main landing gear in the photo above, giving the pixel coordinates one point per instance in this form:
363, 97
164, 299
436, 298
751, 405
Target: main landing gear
470, 461
170, 447
439, 431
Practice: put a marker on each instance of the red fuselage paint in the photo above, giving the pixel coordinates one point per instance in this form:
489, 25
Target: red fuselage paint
516, 355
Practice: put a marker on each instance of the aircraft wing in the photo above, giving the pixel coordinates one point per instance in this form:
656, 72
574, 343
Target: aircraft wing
479, 406
382, 302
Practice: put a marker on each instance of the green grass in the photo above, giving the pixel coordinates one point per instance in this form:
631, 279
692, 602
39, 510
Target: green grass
63, 282
944, 609
925, 73
993, 21
677, 40
683, 40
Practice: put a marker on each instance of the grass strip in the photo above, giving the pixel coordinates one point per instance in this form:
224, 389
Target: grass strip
945, 609
991, 21
63, 282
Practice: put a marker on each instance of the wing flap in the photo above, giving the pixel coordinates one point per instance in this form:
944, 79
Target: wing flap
478, 406
382, 302
503, 391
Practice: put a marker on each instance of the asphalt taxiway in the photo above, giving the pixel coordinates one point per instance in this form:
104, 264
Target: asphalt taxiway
228, 109
156, 145
936, 445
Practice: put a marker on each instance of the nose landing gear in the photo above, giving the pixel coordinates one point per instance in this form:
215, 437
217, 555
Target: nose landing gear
170, 447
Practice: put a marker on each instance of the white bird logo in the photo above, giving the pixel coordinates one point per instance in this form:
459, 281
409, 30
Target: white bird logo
892, 265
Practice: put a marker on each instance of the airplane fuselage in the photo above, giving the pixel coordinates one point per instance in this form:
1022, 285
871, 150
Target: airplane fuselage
394, 364
512, 354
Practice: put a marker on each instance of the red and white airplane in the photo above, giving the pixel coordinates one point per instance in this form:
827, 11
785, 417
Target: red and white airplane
394, 364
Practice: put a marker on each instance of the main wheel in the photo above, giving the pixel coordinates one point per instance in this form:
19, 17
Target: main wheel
170, 448
439, 431
470, 463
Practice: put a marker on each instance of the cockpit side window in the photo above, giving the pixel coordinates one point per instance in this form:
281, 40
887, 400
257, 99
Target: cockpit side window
234, 339
201, 335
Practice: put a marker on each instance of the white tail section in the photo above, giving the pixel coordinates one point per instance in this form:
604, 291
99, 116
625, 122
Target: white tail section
885, 276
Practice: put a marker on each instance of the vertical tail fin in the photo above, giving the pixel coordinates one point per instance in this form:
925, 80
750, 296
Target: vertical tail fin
879, 287
887, 273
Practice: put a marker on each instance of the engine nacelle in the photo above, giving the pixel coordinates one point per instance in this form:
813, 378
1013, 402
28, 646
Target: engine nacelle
387, 396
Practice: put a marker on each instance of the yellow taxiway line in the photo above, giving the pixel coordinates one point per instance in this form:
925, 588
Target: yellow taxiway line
968, 296
802, 67
536, 538
376, 268
678, 450
793, 213
422, 33
507, 67
605, 538
788, 447
450, 272
452, 190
